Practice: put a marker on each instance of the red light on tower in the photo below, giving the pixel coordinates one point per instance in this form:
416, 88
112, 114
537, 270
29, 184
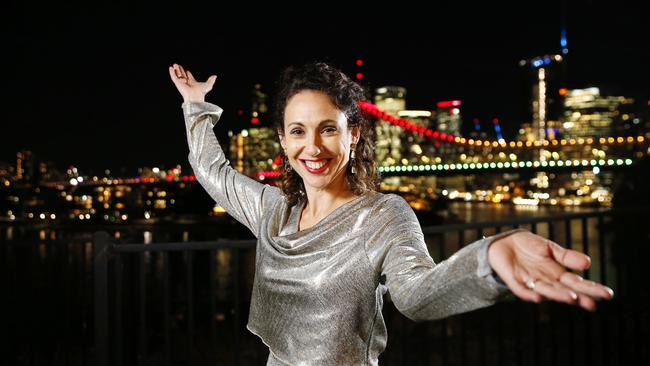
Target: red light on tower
358, 69
255, 120
448, 103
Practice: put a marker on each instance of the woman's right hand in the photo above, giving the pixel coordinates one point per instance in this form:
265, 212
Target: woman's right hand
190, 89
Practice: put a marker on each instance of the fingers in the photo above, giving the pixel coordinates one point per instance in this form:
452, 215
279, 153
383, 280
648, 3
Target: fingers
586, 287
211, 80
570, 258
571, 289
560, 293
177, 72
555, 291
180, 71
190, 76
176, 75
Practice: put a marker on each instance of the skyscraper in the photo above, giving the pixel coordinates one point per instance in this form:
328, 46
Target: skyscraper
388, 145
418, 149
448, 117
25, 166
544, 79
255, 147
253, 150
588, 113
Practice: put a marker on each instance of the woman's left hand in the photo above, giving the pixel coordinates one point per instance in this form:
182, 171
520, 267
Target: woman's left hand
536, 269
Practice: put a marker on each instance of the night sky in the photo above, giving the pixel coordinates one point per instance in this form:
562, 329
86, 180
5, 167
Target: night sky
89, 86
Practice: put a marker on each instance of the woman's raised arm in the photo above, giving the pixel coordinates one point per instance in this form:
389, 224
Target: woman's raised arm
242, 197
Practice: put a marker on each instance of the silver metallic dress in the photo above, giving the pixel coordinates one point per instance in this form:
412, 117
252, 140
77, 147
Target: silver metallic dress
318, 293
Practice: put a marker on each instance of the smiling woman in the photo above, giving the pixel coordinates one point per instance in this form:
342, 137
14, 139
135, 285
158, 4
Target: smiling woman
329, 246
327, 98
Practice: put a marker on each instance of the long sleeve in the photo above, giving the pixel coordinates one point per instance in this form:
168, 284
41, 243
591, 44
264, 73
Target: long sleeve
420, 288
242, 197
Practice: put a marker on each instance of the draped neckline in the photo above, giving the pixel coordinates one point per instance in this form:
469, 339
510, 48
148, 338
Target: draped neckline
289, 233
300, 206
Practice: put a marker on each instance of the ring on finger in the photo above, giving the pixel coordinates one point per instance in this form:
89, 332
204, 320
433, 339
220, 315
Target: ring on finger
530, 283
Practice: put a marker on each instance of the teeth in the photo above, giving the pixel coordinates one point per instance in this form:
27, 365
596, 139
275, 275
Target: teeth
313, 165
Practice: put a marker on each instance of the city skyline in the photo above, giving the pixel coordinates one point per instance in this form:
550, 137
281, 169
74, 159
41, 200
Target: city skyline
108, 103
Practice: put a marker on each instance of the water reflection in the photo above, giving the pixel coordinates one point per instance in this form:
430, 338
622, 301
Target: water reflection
223, 258
42, 251
9, 235
148, 237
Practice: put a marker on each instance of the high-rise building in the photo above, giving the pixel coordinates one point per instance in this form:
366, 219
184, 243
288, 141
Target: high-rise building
418, 149
259, 106
253, 150
388, 144
544, 80
448, 117
25, 166
588, 113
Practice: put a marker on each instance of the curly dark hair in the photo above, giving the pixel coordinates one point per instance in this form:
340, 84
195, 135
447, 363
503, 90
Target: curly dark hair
344, 93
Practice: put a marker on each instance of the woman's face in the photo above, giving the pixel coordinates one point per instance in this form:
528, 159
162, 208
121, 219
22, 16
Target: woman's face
317, 139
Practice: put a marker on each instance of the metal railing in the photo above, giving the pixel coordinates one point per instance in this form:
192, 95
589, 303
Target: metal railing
186, 303
494, 339
462, 339
107, 253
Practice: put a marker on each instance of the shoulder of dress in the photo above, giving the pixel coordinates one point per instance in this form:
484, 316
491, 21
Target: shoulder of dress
395, 201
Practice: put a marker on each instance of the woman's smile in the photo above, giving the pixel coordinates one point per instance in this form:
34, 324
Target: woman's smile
315, 166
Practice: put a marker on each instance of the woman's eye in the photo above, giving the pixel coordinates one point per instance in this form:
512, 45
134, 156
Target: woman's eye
329, 129
295, 132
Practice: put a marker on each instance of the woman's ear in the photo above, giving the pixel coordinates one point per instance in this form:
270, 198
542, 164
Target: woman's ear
356, 134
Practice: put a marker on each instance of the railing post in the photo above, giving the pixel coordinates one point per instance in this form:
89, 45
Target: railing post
101, 248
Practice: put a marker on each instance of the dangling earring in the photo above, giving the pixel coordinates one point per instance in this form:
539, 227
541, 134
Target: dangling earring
352, 156
287, 166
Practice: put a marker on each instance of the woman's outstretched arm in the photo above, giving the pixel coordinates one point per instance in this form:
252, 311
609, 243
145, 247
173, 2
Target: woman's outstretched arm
424, 290
242, 197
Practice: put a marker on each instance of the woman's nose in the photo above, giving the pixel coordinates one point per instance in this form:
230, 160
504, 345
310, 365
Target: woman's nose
313, 147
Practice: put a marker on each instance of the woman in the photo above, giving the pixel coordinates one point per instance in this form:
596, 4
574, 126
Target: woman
330, 246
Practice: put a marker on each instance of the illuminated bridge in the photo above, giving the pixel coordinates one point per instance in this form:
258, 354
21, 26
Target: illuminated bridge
465, 155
